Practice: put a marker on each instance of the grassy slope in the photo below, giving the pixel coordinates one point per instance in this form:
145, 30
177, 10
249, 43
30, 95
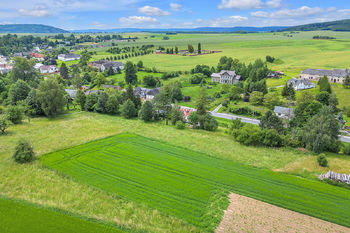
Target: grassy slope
42, 186
17, 216
179, 182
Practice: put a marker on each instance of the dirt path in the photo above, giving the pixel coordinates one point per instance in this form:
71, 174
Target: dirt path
245, 214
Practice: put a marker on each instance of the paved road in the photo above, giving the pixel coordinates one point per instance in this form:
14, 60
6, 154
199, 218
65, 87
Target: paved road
233, 117
254, 121
344, 139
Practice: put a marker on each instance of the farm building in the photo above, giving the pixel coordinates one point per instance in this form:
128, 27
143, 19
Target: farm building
301, 84
68, 57
334, 76
225, 77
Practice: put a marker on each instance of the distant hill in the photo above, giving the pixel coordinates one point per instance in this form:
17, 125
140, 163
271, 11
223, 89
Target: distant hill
339, 25
188, 30
29, 28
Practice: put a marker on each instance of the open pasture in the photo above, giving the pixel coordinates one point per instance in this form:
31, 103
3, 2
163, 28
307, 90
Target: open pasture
190, 185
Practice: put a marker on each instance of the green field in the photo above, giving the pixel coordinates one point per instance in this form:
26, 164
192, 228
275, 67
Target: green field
18, 216
181, 182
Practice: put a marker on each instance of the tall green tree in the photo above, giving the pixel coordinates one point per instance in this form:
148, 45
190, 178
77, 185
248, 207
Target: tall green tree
90, 102
80, 99
51, 96
202, 103
324, 84
24, 70
271, 121
199, 48
163, 104
112, 105
321, 131
146, 112
19, 91
130, 73
288, 91
64, 71
128, 109
190, 49
346, 83
101, 105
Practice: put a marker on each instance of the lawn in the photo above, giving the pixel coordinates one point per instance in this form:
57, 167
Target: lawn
181, 182
19, 216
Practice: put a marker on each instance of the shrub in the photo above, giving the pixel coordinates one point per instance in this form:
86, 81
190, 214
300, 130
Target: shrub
4, 124
322, 161
346, 149
24, 152
180, 125
207, 122
272, 138
14, 114
197, 79
249, 135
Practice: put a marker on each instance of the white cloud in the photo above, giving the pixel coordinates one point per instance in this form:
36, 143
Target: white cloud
229, 21
248, 4
175, 7
37, 12
273, 3
303, 11
137, 21
153, 11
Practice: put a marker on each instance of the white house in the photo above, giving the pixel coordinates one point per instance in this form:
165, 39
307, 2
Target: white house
48, 69
225, 77
68, 57
301, 84
114, 65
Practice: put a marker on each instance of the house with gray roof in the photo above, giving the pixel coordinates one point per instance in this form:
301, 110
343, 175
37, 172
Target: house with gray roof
225, 77
301, 84
282, 112
334, 76
146, 93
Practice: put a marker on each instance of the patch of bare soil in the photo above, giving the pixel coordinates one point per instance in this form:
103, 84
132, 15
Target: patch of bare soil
245, 214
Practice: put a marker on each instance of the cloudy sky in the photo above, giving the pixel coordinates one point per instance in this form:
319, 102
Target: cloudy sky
100, 14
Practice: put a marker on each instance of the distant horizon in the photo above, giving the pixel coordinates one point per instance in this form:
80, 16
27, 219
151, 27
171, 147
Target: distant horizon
112, 14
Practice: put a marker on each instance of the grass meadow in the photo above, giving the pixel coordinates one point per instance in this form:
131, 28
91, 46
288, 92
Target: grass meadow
181, 182
19, 216
37, 184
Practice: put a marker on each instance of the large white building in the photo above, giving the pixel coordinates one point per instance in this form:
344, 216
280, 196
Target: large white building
68, 57
334, 76
225, 77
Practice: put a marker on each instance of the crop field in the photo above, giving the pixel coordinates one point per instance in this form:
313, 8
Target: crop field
190, 185
18, 216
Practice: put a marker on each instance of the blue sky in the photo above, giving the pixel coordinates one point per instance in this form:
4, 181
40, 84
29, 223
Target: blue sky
87, 14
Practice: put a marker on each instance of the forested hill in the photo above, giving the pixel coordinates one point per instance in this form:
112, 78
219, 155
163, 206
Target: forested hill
29, 28
340, 25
